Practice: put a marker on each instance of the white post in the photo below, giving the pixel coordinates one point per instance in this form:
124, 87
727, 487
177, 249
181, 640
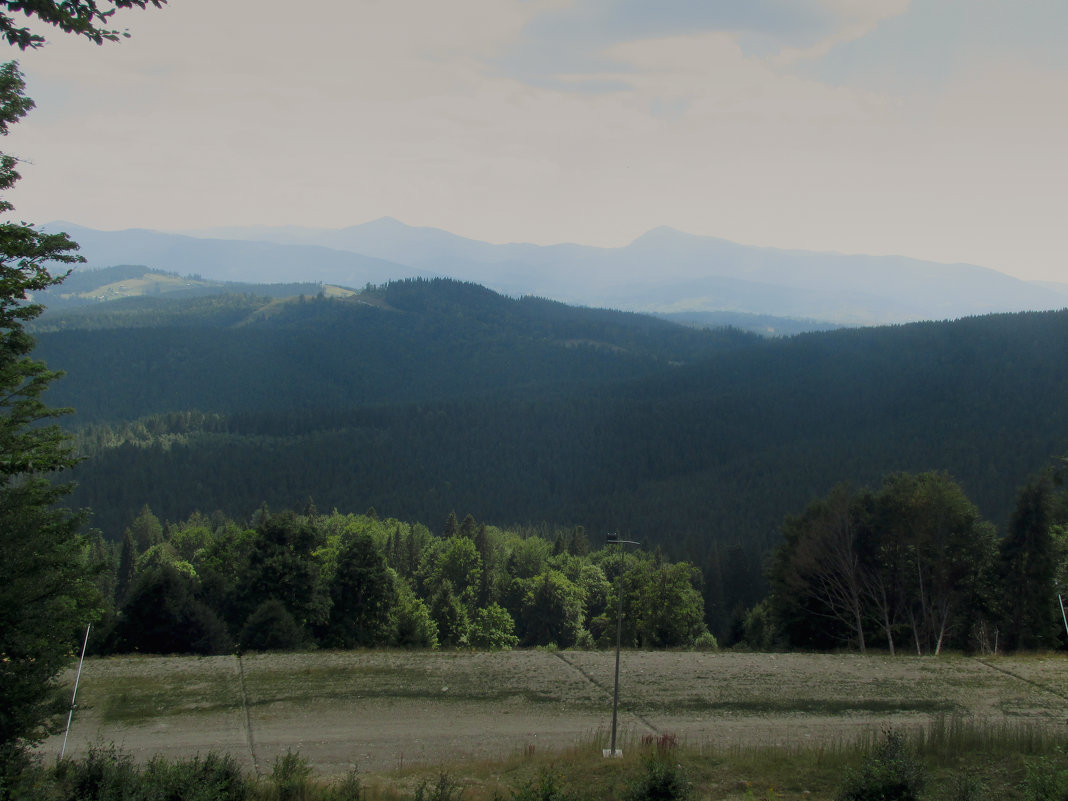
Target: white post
1063, 616
73, 698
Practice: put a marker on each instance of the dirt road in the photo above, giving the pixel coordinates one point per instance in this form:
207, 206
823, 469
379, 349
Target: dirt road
384, 709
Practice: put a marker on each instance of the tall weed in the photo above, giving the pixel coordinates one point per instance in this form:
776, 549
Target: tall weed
547, 788
215, 777
348, 788
106, 774
444, 789
291, 777
1045, 781
888, 773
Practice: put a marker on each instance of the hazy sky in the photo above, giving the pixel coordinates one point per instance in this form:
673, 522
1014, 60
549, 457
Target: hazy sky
932, 128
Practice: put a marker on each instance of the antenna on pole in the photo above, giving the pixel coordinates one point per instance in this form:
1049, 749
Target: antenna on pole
613, 539
73, 698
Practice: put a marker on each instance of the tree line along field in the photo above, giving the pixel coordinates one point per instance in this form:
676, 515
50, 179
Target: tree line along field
910, 567
384, 711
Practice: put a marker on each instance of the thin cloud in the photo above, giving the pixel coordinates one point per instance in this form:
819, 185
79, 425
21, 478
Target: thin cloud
938, 40
560, 44
877, 126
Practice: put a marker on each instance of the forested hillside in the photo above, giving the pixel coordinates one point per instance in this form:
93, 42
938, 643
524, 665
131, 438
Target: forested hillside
424, 397
407, 342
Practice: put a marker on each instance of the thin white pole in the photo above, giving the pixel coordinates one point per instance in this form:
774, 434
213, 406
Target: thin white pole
619, 639
613, 539
1063, 616
73, 698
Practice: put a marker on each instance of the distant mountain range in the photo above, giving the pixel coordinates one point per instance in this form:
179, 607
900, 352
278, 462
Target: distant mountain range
665, 271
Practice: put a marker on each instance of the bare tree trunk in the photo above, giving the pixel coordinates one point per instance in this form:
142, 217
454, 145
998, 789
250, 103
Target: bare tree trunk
887, 626
942, 630
915, 632
923, 604
875, 589
829, 560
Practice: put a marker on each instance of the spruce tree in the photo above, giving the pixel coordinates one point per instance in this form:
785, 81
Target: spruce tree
1029, 570
47, 594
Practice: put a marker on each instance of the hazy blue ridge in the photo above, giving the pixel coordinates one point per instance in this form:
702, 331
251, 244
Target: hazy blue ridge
663, 271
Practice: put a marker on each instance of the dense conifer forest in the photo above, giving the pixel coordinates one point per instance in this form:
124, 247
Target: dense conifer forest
426, 396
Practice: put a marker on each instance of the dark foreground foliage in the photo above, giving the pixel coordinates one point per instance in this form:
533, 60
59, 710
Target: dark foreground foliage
107, 774
946, 760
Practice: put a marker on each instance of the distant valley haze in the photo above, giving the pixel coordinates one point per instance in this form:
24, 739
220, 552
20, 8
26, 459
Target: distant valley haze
665, 271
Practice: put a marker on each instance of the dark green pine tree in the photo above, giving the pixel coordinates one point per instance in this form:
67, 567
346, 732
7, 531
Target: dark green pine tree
1028, 565
449, 615
411, 553
281, 565
559, 544
103, 564
579, 543
452, 526
47, 594
146, 530
469, 528
125, 574
486, 579
393, 555
363, 597
163, 615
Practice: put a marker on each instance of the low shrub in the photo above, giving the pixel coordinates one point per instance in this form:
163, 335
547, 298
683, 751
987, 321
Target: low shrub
271, 627
1044, 781
663, 779
348, 788
215, 777
106, 773
547, 788
888, 773
706, 641
291, 777
444, 789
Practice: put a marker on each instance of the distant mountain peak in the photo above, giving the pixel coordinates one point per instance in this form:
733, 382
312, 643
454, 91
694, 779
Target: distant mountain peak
383, 222
665, 234
669, 238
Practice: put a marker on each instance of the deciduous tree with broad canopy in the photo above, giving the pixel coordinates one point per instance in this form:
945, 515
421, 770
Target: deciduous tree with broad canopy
911, 561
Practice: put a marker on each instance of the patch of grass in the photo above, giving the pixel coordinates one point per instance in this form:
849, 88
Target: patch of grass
964, 761
960, 756
345, 683
816, 706
136, 699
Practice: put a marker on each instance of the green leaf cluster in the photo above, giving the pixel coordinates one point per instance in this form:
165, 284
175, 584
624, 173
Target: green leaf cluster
86, 18
286, 581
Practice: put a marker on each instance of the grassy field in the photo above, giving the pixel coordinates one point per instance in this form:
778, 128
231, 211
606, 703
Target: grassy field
495, 717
